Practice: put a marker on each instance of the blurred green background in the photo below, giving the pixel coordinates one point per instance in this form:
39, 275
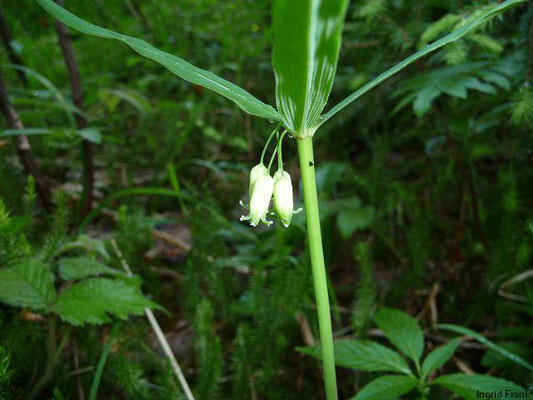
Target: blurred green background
425, 187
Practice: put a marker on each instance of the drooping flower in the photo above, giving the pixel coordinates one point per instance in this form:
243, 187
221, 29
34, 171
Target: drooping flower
283, 197
257, 172
261, 189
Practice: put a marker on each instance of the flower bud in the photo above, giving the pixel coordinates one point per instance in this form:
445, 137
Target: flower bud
261, 193
283, 201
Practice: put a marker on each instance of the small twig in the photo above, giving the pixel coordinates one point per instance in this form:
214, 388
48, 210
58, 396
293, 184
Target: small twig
65, 42
305, 329
158, 332
171, 239
463, 366
513, 281
76, 360
23, 147
80, 371
431, 305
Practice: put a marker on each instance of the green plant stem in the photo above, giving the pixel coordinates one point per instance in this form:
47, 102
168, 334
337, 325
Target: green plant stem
307, 169
275, 131
278, 147
101, 362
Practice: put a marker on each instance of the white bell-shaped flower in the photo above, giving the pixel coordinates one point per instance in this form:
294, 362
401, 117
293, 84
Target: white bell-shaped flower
261, 193
283, 197
257, 172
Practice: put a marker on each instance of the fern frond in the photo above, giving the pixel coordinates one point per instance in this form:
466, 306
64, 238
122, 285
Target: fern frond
486, 42
455, 53
436, 29
208, 353
522, 110
372, 9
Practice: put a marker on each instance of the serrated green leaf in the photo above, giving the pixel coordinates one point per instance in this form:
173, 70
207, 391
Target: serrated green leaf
363, 355
402, 330
469, 386
28, 284
74, 268
178, 66
386, 387
94, 300
473, 24
307, 38
482, 339
439, 356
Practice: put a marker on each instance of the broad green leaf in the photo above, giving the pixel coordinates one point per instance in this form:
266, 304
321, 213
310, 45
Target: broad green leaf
482, 339
469, 386
457, 34
28, 284
402, 330
439, 356
351, 220
74, 268
307, 38
363, 355
177, 65
92, 300
386, 387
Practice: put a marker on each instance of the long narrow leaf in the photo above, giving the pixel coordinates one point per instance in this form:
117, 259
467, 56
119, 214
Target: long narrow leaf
92, 135
178, 66
66, 105
307, 37
482, 339
498, 9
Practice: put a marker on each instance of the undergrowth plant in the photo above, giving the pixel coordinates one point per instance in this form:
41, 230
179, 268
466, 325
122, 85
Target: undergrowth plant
405, 334
307, 39
64, 280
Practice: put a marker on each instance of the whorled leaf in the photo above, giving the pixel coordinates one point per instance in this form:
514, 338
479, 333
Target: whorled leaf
402, 330
439, 356
469, 387
307, 38
363, 355
386, 387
